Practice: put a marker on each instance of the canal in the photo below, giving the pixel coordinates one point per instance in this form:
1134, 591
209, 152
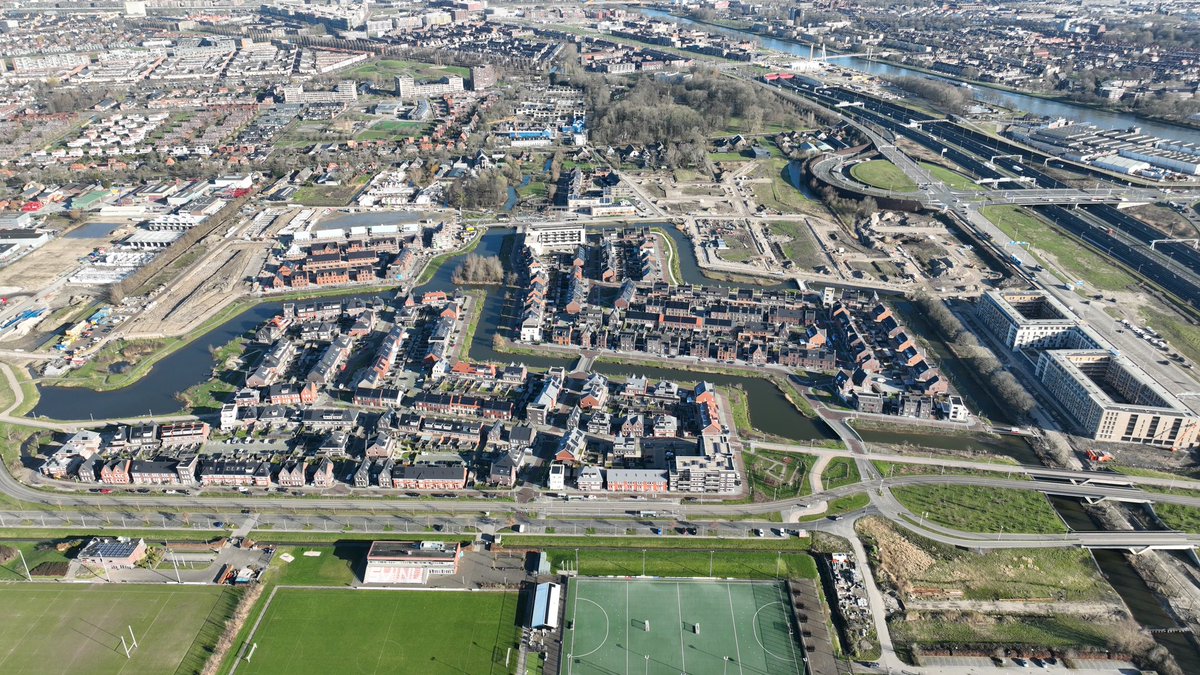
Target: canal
1145, 606
769, 409
1008, 99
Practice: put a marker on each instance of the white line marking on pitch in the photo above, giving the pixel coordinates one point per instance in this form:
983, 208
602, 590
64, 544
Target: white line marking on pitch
606, 625
733, 616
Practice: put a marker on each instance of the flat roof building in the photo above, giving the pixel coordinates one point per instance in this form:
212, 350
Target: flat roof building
410, 562
544, 238
113, 552
1111, 399
1033, 320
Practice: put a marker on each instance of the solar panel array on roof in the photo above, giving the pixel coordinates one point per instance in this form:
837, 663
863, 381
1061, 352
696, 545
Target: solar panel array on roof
111, 549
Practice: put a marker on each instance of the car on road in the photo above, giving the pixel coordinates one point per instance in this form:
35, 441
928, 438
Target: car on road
758, 532
656, 530
143, 491
106, 491
220, 525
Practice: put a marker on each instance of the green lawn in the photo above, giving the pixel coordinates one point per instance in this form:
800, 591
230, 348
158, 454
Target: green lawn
976, 509
884, 175
362, 632
954, 179
387, 69
800, 247
330, 195
1179, 333
338, 566
393, 130
659, 563
778, 194
1038, 632
1070, 255
51, 628
840, 471
778, 475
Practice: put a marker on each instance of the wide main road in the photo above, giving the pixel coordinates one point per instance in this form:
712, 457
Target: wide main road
1173, 266
607, 507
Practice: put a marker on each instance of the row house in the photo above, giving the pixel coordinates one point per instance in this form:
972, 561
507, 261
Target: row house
273, 364
292, 474
292, 393
235, 473
463, 406
429, 477
161, 472
384, 397
637, 480
450, 431
331, 363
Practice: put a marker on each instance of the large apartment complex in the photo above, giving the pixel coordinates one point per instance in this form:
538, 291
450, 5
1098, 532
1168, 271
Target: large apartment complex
1107, 396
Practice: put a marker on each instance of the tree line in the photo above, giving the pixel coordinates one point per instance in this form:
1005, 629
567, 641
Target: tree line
1007, 390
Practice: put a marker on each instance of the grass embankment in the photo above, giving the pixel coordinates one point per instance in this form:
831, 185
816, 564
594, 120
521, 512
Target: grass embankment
738, 565
778, 193
884, 175
799, 247
980, 509
1177, 331
891, 469
954, 179
1069, 255
841, 505
1179, 517
669, 540
672, 255
1054, 632
840, 471
911, 563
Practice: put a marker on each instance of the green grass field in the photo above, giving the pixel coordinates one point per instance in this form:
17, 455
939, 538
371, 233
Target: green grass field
884, 175
975, 509
731, 564
363, 632
48, 628
778, 194
744, 628
954, 179
1070, 255
801, 249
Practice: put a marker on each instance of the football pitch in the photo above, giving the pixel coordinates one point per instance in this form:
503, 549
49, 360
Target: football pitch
631, 627
68, 628
358, 632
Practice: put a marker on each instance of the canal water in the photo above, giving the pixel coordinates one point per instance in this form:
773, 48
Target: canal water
770, 411
1032, 104
1142, 603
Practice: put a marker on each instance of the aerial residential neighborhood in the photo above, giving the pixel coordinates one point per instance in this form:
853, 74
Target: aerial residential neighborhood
685, 337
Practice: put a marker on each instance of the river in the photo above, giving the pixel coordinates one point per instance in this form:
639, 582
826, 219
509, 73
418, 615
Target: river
1008, 99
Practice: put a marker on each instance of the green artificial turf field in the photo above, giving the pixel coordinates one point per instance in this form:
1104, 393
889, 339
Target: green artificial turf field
744, 628
364, 632
67, 628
